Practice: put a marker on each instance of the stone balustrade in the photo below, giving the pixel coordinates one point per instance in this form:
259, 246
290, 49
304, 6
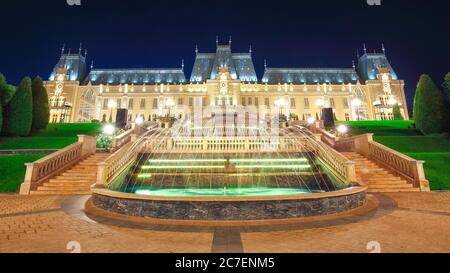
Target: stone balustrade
55, 163
405, 166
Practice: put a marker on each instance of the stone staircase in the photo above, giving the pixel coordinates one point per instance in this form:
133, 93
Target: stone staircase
74, 181
377, 177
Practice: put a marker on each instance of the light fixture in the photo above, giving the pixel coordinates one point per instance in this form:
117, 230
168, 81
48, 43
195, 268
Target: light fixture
109, 129
342, 129
311, 120
392, 101
320, 102
356, 102
170, 102
112, 104
280, 103
139, 120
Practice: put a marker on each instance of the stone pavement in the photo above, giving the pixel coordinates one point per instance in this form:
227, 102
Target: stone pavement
402, 222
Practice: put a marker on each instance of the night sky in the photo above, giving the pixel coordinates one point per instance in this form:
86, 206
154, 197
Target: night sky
153, 34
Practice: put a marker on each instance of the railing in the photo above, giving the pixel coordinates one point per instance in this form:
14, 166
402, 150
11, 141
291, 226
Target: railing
410, 168
123, 157
221, 144
405, 166
44, 168
122, 139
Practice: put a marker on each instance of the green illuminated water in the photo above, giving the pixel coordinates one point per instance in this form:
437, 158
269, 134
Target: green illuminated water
189, 192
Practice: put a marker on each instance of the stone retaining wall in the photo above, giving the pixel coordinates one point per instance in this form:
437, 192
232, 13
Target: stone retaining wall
230, 210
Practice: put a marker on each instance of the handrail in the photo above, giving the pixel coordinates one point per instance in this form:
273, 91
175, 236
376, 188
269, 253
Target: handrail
122, 139
44, 168
405, 166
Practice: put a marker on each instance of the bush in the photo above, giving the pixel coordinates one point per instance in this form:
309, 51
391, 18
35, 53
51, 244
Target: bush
397, 113
18, 113
41, 111
6, 93
428, 106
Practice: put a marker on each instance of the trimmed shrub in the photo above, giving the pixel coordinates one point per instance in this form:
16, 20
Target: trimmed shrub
19, 111
41, 111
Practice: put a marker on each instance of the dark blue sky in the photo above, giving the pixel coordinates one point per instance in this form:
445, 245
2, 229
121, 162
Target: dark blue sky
134, 33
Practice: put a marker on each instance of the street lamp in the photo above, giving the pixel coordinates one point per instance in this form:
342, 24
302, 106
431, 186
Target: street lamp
320, 103
170, 103
311, 120
109, 129
111, 105
342, 129
356, 103
139, 121
280, 103
392, 101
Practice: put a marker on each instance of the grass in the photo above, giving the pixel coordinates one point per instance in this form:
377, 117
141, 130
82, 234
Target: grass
57, 136
12, 170
400, 136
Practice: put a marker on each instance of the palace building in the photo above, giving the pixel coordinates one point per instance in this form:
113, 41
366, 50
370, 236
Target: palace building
366, 91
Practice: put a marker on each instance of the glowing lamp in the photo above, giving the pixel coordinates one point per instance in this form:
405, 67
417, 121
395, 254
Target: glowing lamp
109, 129
342, 129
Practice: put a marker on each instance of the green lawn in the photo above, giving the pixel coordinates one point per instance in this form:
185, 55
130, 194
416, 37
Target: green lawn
400, 136
57, 136
12, 170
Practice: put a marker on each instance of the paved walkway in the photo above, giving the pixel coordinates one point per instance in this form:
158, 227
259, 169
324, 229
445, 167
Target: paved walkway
403, 222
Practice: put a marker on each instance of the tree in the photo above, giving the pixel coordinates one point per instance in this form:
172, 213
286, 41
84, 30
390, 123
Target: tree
41, 110
446, 83
428, 106
397, 113
19, 111
6, 93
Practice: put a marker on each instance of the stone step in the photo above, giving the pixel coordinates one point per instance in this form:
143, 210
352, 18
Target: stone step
394, 190
66, 183
64, 192
61, 188
403, 186
383, 178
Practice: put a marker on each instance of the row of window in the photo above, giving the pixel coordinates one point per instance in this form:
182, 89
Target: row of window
245, 101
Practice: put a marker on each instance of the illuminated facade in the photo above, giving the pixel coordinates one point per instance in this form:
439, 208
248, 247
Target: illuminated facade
366, 91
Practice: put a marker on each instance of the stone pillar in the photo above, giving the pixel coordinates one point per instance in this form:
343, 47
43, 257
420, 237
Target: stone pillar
89, 145
362, 144
419, 175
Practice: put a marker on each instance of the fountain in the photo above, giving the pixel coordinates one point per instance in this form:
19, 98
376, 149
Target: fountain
168, 174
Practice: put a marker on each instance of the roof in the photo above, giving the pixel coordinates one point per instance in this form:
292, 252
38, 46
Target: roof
240, 65
310, 75
369, 64
136, 76
75, 65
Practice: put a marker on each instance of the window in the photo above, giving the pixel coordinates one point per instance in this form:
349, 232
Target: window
130, 103
191, 101
256, 102
345, 103
119, 103
331, 102
105, 104
306, 102
292, 102
347, 117
142, 104
250, 101
243, 102
267, 102
155, 103
180, 101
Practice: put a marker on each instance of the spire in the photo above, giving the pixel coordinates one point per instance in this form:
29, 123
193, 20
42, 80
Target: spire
229, 41
182, 64
357, 53
69, 51
85, 52
62, 49
92, 64
250, 49
265, 63
196, 49
383, 49
365, 49
217, 40
81, 48
353, 64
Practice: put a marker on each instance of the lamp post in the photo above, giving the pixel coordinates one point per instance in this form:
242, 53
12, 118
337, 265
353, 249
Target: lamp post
169, 103
111, 105
356, 103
